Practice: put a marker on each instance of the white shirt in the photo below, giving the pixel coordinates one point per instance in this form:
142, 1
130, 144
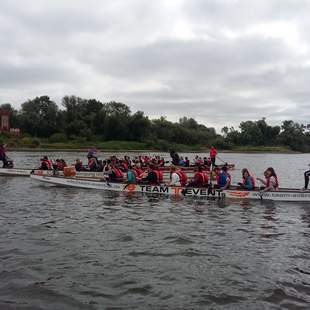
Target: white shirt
273, 182
175, 179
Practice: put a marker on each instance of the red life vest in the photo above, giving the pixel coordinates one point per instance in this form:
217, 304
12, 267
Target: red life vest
182, 176
213, 152
60, 166
138, 172
49, 164
125, 167
203, 177
118, 173
160, 176
268, 182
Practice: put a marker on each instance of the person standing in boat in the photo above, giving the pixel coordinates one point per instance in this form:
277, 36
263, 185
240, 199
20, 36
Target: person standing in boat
248, 182
3, 156
306, 176
271, 180
213, 154
92, 153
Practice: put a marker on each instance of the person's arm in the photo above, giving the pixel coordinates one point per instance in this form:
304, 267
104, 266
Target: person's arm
261, 180
226, 185
271, 187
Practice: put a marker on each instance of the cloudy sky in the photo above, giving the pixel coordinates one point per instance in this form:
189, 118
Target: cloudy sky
220, 61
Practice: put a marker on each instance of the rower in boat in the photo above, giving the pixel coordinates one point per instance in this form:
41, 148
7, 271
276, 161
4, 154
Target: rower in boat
131, 176
177, 177
92, 153
46, 164
60, 165
175, 157
223, 179
271, 180
187, 163
151, 176
114, 174
79, 165
248, 182
3, 156
213, 154
200, 178
306, 176
137, 171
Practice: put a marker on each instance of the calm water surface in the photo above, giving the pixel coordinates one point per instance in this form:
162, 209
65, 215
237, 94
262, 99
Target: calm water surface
63, 248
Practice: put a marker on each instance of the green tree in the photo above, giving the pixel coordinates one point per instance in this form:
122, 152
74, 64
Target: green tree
39, 117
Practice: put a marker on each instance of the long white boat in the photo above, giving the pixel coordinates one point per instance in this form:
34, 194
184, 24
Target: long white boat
280, 195
28, 172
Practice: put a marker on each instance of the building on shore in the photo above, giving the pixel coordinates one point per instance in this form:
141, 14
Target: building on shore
5, 124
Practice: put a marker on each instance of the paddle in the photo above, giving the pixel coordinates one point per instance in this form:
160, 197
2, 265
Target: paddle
210, 187
221, 160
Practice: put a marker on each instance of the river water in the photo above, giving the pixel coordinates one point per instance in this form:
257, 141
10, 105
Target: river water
64, 248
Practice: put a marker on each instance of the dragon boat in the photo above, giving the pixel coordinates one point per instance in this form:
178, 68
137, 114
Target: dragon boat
283, 194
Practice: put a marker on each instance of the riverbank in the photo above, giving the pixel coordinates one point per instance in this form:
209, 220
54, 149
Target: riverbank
27, 143
137, 147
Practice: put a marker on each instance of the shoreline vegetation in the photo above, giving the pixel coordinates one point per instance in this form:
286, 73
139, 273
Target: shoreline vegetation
124, 146
81, 124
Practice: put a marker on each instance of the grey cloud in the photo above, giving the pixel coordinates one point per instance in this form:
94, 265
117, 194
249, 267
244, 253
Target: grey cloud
129, 51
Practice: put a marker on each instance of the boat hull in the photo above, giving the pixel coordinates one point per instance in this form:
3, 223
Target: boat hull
281, 195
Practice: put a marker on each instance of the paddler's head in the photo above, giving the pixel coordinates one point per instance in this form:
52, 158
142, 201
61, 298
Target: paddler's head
245, 173
173, 168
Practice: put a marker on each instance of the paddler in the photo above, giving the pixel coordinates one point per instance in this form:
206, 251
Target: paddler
200, 178
223, 178
306, 176
248, 182
79, 165
114, 173
151, 176
271, 180
3, 156
46, 164
213, 154
175, 158
131, 177
177, 177
92, 153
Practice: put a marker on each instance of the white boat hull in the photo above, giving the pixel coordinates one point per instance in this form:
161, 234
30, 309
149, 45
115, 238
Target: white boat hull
281, 195
27, 172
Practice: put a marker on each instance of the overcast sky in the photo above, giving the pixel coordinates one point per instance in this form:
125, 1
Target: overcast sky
220, 61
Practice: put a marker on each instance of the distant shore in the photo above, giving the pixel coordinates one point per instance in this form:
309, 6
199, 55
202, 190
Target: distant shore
196, 149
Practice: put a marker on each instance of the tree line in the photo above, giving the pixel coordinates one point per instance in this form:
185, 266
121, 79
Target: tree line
96, 121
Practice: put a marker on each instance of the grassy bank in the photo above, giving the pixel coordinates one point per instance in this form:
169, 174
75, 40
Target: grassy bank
35, 144
261, 149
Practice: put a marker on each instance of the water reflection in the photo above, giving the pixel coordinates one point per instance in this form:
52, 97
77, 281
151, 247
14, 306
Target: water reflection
65, 248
